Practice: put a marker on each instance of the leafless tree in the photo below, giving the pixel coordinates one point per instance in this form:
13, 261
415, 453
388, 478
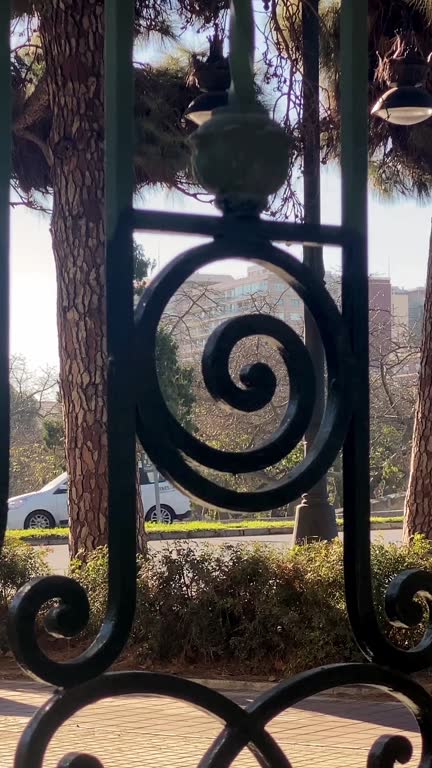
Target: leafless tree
33, 398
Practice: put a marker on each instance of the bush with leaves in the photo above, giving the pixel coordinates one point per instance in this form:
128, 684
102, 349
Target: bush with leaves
252, 609
19, 562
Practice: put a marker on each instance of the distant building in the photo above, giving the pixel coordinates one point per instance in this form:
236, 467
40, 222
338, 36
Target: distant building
408, 311
400, 316
380, 317
205, 301
380, 311
416, 300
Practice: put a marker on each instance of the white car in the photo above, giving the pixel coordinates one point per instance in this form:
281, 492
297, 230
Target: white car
47, 508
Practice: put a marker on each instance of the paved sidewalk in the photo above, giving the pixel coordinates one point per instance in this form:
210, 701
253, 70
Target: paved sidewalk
138, 731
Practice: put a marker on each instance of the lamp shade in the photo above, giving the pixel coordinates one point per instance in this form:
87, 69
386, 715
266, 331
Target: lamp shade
404, 105
201, 108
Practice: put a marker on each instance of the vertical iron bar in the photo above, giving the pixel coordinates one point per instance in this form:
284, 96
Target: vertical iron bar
5, 147
315, 516
119, 112
242, 51
354, 108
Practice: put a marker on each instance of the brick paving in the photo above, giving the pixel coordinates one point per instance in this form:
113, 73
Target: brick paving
138, 731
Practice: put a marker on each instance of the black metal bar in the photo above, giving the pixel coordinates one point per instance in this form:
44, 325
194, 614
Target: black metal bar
216, 226
401, 608
119, 118
5, 146
355, 302
315, 516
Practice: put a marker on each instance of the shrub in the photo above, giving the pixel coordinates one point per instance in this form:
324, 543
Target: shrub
19, 563
249, 609
32, 465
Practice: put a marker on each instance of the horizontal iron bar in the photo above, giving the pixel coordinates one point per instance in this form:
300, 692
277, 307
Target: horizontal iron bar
216, 226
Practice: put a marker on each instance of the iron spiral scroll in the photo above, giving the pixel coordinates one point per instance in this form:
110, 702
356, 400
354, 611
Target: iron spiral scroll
171, 446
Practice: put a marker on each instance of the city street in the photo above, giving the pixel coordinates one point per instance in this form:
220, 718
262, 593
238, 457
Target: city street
58, 556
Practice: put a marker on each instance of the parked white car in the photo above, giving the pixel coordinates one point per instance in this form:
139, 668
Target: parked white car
47, 508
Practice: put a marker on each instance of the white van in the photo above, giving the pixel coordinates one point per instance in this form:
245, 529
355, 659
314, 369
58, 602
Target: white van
47, 508
173, 504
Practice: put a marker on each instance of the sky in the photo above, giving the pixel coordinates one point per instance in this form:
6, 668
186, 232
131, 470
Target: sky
398, 247
398, 243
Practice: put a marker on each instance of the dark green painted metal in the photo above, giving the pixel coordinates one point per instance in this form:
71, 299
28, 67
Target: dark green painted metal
242, 50
5, 147
215, 226
354, 106
119, 106
354, 116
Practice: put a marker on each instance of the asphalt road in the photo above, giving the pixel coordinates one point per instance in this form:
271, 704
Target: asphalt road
58, 556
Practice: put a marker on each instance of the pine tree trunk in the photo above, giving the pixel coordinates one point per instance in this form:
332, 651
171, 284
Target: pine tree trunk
418, 505
72, 35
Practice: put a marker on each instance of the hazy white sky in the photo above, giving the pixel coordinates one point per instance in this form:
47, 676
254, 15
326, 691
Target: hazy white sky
398, 242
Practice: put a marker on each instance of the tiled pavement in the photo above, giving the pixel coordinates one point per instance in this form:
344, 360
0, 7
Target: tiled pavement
139, 731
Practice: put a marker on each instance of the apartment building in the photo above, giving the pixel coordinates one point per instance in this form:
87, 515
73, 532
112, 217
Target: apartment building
407, 314
380, 311
207, 300
380, 317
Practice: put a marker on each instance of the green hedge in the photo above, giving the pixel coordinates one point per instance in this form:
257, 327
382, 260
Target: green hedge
250, 609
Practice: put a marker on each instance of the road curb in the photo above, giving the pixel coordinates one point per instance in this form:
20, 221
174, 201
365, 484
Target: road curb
224, 533
342, 692
245, 687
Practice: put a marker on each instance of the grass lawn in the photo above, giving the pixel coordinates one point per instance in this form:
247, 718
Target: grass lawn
185, 527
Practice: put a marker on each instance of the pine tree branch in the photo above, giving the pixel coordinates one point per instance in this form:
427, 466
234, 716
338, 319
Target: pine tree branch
43, 146
34, 108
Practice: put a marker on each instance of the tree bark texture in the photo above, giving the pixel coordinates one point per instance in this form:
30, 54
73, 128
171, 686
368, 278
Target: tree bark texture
72, 35
418, 506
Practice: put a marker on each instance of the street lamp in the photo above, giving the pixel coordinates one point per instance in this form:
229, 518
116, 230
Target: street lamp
407, 102
315, 515
214, 78
233, 127
202, 109
404, 105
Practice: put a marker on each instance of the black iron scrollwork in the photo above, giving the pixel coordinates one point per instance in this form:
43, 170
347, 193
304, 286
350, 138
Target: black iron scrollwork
243, 728
241, 156
402, 609
69, 617
285, 695
66, 619
172, 447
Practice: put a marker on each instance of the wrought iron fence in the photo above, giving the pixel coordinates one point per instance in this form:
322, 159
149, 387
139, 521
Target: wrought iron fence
237, 155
